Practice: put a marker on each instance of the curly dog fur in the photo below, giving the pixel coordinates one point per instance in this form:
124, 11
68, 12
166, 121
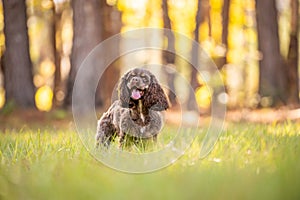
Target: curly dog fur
137, 111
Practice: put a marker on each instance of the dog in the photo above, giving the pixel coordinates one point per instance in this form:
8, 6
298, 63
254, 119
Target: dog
137, 112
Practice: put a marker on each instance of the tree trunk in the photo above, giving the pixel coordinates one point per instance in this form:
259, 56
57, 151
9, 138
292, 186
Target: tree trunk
87, 34
111, 25
18, 80
292, 68
225, 22
168, 56
195, 54
57, 44
272, 76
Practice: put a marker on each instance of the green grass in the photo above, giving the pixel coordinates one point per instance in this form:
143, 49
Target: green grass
250, 161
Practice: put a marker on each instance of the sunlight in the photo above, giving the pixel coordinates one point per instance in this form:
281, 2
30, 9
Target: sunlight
65, 67
47, 4
43, 98
203, 96
132, 4
38, 80
67, 36
111, 2
47, 68
223, 98
2, 97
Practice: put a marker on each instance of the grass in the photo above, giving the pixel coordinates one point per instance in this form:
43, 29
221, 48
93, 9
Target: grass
250, 161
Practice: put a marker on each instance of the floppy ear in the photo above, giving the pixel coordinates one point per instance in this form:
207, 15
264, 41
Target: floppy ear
155, 98
124, 94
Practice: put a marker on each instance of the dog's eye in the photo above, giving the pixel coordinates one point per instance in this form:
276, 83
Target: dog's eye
131, 76
144, 77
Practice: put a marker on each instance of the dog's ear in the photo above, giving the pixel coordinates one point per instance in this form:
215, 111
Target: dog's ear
123, 91
155, 98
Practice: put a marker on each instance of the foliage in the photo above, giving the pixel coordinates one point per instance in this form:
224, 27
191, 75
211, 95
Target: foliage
250, 161
52, 20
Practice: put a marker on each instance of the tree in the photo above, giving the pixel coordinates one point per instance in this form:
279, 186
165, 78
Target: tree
18, 80
272, 72
111, 25
87, 22
168, 56
225, 22
195, 54
293, 56
57, 50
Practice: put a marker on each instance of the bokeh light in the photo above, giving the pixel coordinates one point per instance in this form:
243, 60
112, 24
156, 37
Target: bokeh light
47, 68
203, 97
2, 97
43, 98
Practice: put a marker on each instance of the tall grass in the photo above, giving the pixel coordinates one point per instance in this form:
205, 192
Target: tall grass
250, 161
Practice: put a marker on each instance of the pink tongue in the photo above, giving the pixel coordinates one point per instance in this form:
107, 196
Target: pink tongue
135, 94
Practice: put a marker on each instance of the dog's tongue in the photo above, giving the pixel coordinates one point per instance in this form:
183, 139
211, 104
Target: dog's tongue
135, 94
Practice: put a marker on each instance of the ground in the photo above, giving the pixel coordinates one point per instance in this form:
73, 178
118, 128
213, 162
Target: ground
42, 157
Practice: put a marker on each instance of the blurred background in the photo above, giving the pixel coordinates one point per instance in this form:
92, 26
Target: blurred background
253, 43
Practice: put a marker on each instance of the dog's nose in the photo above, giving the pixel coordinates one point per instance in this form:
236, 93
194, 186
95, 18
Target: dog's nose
135, 79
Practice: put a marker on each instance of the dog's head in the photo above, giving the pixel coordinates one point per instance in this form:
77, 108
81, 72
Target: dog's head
140, 84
